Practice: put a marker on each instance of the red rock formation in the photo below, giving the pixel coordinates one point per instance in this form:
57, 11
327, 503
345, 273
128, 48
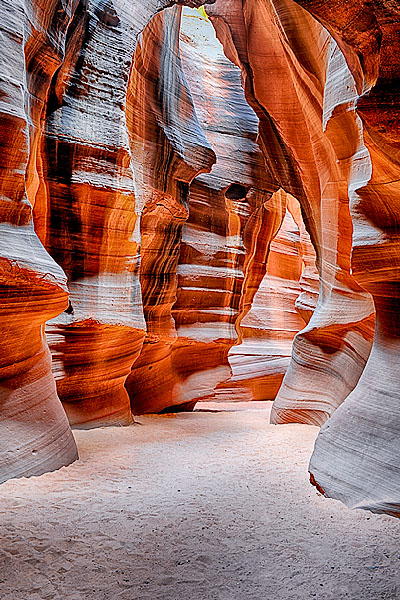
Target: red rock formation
226, 239
356, 454
273, 316
101, 143
92, 203
278, 41
170, 150
34, 432
185, 358
224, 244
346, 158
58, 75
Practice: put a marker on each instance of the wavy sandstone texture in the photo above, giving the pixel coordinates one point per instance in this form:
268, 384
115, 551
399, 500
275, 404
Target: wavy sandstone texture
226, 239
168, 142
65, 155
34, 432
356, 454
352, 156
281, 306
278, 41
175, 215
203, 256
99, 246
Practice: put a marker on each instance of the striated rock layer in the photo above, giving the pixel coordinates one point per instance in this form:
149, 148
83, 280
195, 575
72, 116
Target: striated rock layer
170, 149
227, 222
281, 306
204, 256
332, 115
34, 432
66, 158
278, 41
356, 454
97, 181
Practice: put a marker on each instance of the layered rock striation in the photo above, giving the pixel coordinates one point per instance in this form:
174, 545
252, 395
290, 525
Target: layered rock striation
34, 431
203, 258
170, 150
280, 307
340, 91
180, 222
355, 457
67, 186
280, 42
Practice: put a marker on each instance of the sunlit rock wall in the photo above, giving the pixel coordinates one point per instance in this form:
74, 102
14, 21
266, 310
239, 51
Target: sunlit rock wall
192, 264
227, 215
279, 42
283, 303
330, 123
34, 432
203, 256
356, 453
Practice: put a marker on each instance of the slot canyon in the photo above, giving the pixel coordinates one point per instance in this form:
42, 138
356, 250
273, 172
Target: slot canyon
199, 299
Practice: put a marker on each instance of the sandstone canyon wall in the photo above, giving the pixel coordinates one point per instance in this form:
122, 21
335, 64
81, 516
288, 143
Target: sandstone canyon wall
281, 43
343, 91
34, 432
144, 146
281, 306
201, 271
66, 159
175, 213
356, 454
101, 143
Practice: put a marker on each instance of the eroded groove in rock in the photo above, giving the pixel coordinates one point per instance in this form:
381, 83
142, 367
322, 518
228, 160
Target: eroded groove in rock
356, 454
231, 219
279, 41
282, 304
170, 149
34, 433
92, 213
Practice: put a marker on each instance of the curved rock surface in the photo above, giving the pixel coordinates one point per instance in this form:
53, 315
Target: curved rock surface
220, 240
66, 154
352, 156
281, 306
278, 41
228, 224
34, 433
356, 454
163, 209
104, 161
170, 149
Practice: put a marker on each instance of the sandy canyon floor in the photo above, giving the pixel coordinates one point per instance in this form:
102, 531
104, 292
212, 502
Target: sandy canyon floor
208, 505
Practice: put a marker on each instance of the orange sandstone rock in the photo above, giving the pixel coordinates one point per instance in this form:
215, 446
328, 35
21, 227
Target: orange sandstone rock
65, 153
187, 279
170, 149
280, 308
223, 246
91, 204
356, 454
279, 42
34, 433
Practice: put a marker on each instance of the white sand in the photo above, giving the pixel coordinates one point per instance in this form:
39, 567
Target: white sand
192, 507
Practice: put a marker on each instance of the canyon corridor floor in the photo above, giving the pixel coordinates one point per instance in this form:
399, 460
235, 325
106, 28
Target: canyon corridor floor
213, 504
